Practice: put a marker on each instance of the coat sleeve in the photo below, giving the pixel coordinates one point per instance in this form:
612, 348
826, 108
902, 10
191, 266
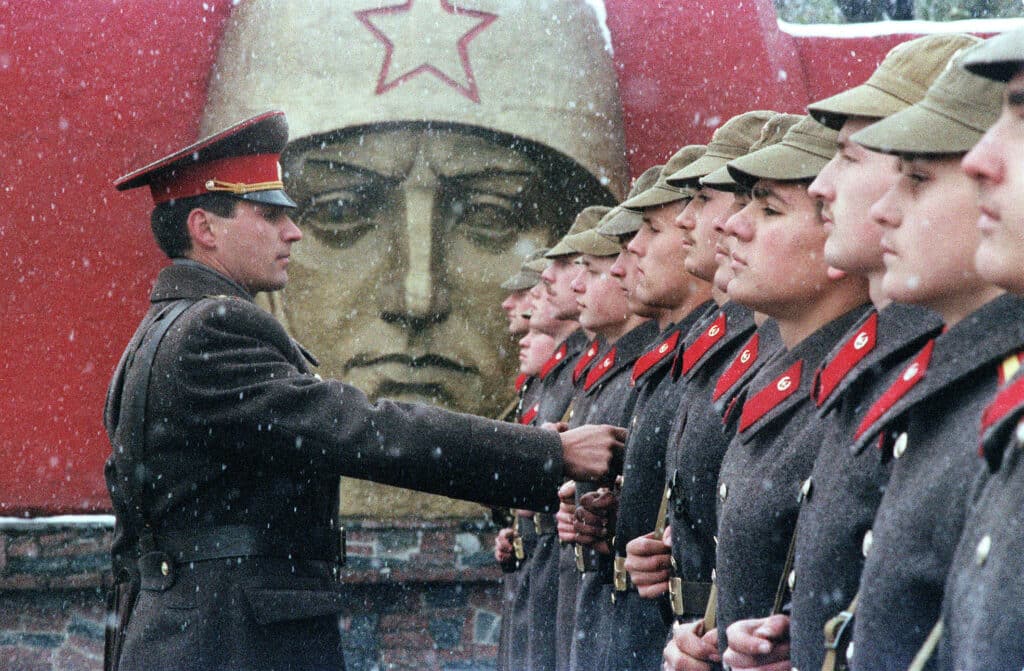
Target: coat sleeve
239, 386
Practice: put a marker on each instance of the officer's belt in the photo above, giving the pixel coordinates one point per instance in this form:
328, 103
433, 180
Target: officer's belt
239, 540
544, 523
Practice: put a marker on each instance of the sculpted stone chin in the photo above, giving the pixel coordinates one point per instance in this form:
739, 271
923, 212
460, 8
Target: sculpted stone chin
425, 172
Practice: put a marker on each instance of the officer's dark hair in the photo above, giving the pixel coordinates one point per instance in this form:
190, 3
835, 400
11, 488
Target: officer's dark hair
169, 220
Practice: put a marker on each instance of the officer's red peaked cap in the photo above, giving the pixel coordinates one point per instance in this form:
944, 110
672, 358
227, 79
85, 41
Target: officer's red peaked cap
242, 161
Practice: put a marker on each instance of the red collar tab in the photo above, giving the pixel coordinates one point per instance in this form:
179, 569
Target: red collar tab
1005, 401
696, 351
853, 352
530, 414
1009, 367
910, 376
653, 356
584, 361
555, 359
740, 365
781, 388
598, 370
520, 381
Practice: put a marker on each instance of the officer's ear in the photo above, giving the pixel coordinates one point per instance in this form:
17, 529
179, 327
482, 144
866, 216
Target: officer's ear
200, 224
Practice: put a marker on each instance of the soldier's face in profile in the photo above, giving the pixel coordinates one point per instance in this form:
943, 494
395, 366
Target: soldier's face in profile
408, 234
995, 165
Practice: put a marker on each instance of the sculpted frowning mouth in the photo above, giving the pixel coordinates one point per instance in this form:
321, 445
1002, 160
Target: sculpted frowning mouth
415, 362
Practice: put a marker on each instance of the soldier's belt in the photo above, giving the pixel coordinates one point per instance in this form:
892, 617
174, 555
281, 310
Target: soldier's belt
544, 524
689, 599
238, 540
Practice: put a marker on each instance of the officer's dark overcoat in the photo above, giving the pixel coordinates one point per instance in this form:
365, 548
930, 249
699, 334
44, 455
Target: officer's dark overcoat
242, 441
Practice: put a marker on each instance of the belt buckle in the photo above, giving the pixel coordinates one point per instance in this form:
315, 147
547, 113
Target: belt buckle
517, 546
675, 594
620, 575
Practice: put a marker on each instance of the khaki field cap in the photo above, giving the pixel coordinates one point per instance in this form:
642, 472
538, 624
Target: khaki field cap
804, 150
732, 139
661, 192
955, 113
620, 221
588, 240
503, 66
586, 220
529, 273
999, 58
771, 133
901, 79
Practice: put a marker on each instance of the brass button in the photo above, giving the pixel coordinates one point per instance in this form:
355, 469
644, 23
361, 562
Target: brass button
723, 491
791, 581
900, 446
849, 652
865, 547
984, 546
165, 568
317, 376
805, 490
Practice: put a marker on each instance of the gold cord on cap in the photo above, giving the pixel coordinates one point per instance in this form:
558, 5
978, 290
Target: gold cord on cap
239, 188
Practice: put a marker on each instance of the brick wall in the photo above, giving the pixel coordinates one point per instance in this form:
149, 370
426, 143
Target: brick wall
423, 595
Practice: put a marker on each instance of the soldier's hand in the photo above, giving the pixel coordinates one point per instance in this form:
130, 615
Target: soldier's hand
592, 452
557, 427
649, 564
595, 519
761, 644
566, 512
690, 649
503, 546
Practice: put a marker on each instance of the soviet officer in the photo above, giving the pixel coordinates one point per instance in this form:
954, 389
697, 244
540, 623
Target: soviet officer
227, 448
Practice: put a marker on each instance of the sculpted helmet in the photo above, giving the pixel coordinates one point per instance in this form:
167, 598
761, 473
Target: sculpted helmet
538, 71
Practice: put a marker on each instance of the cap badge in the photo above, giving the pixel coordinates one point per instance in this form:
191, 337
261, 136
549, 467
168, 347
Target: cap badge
443, 53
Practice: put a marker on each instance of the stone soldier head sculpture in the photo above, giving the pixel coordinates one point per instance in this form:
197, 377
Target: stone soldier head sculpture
434, 146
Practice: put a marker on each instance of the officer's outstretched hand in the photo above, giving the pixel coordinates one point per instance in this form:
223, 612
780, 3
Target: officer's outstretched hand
649, 563
593, 452
690, 648
595, 519
566, 512
761, 644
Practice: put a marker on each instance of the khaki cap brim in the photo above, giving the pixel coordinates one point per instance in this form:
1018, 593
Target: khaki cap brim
861, 101
918, 130
781, 162
620, 221
586, 220
805, 149
705, 165
999, 58
593, 243
720, 180
521, 281
658, 195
